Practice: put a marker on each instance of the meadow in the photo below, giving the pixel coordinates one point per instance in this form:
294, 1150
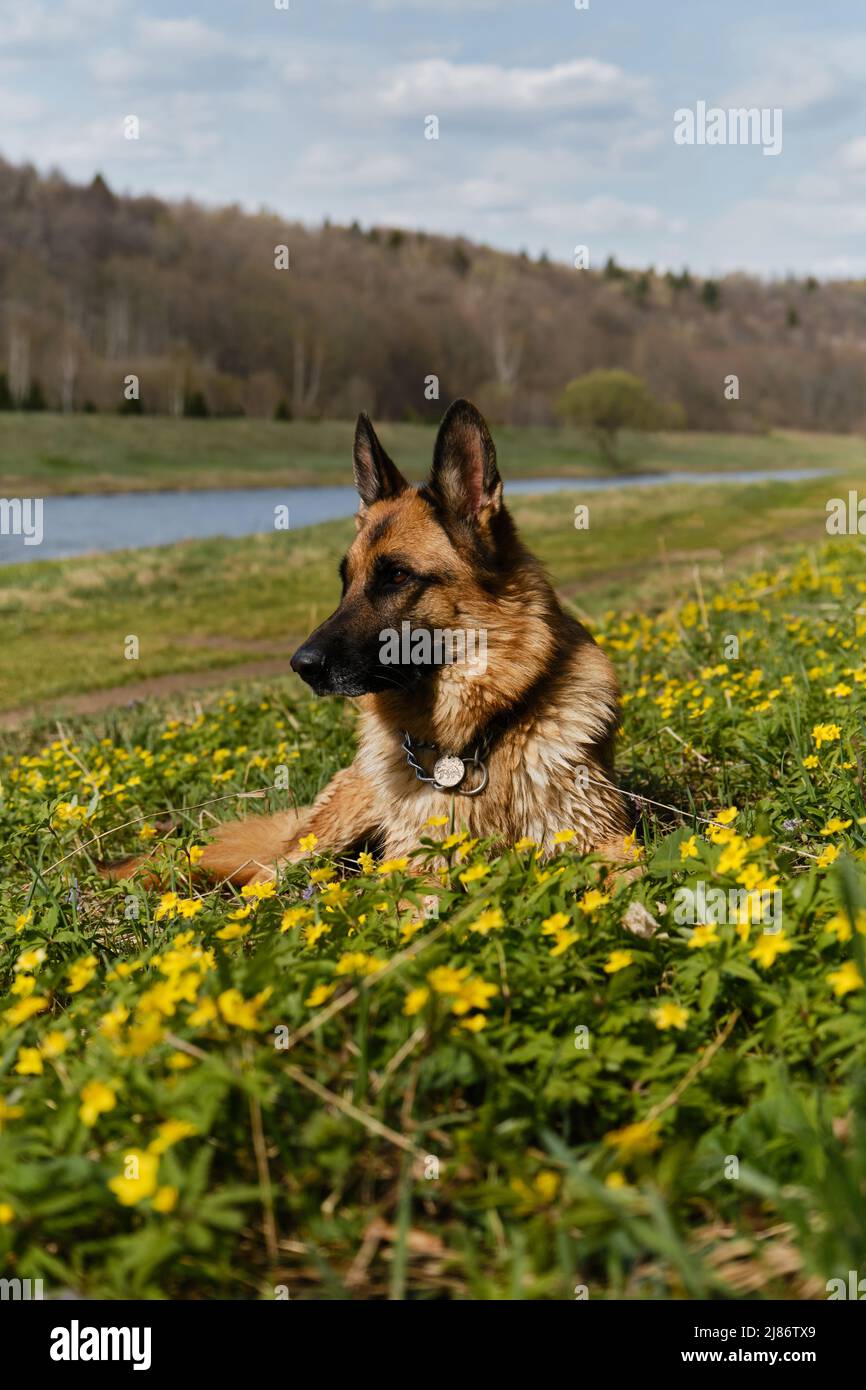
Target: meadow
317, 1091
47, 453
201, 609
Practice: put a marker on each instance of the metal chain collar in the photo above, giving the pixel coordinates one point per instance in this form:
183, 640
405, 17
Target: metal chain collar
449, 769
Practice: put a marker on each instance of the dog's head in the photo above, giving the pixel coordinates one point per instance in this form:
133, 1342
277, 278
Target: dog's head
424, 563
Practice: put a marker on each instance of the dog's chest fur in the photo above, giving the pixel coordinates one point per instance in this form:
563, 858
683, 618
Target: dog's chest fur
548, 766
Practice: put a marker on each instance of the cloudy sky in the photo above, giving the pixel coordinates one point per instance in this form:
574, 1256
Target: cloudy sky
555, 124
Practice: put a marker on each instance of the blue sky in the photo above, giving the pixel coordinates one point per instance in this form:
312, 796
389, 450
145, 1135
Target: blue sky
555, 125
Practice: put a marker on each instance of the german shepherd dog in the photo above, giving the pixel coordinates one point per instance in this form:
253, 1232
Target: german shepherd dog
523, 742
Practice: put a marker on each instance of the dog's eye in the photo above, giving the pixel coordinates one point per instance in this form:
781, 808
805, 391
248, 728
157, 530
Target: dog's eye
397, 577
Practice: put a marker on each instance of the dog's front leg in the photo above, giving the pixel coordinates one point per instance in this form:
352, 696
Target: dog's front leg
344, 813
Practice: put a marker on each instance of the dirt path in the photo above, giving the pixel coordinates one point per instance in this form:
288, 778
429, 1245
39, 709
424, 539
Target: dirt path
119, 695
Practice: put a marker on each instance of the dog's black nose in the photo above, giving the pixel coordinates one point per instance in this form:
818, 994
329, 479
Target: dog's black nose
308, 662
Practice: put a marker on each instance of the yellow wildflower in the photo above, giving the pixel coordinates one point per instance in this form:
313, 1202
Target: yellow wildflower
551, 925
189, 907
358, 963
618, 960
137, 1181
445, 979
845, 979
9, 1112
490, 920
294, 917
825, 733
392, 866
240, 1012
319, 995
111, 1024
81, 973
473, 994
475, 1024
234, 931
30, 960
562, 940
632, 1140
670, 1015
415, 1001
171, 1132
29, 1062
96, 1100
26, 1008
167, 904
703, 935
259, 891
474, 874
205, 1013
769, 946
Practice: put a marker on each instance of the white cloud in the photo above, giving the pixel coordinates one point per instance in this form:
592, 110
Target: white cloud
852, 155
165, 52
177, 131
38, 27
581, 86
605, 215
183, 36
811, 76
19, 107
326, 164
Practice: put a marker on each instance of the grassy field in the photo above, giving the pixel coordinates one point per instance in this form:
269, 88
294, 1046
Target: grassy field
316, 1092
44, 454
205, 606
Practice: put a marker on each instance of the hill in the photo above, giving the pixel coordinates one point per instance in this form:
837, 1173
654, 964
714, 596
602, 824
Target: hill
95, 287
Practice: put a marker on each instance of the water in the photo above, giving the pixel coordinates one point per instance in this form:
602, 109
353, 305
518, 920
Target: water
129, 521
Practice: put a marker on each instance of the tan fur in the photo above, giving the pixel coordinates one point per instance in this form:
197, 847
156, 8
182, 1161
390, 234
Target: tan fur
553, 688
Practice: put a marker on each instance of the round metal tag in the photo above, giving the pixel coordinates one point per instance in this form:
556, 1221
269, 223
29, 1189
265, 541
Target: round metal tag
449, 771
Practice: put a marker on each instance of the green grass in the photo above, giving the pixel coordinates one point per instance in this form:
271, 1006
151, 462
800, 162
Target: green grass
202, 606
672, 1117
44, 453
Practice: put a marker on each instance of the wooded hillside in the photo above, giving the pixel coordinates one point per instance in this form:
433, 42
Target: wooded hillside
95, 287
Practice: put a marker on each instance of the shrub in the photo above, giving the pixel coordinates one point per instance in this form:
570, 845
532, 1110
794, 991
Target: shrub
607, 401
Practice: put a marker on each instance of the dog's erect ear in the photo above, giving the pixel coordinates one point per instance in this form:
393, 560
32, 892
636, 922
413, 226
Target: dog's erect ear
376, 477
465, 477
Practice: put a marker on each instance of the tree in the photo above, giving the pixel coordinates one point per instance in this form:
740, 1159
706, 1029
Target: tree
35, 398
195, 405
607, 401
711, 295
